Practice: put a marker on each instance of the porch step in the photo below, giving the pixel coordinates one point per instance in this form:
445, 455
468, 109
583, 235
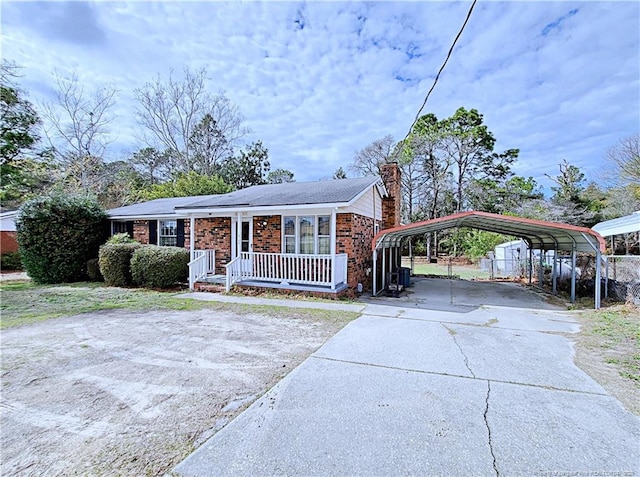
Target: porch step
209, 287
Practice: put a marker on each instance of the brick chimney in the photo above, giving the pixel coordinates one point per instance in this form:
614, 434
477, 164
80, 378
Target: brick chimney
391, 205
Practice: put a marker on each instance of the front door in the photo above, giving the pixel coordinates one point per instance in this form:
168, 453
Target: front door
244, 242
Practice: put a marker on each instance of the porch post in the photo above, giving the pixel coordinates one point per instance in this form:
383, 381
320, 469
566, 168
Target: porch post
192, 237
332, 249
573, 273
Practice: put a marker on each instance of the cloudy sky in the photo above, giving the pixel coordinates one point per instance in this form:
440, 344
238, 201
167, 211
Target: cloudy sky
317, 81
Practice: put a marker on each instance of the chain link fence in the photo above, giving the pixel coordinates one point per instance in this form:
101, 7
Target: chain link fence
503, 268
622, 277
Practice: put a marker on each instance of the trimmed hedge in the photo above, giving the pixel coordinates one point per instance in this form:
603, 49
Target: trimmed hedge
115, 263
159, 267
93, 270
58, 234
10, 261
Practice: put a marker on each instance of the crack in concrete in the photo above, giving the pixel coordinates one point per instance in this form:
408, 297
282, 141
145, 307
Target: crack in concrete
486, 423
453, 334
461, 376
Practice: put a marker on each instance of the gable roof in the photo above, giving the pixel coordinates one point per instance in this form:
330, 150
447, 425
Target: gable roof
340, 191
291, 193
537, 233
156, 207
622, 225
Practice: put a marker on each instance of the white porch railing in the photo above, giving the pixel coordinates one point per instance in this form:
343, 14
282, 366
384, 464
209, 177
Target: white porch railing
203, 263
288, 268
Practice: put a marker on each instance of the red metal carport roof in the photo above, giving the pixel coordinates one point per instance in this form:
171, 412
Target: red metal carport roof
537, 233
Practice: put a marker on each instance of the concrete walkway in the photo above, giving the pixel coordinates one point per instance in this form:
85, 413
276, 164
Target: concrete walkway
289, 303
408, 391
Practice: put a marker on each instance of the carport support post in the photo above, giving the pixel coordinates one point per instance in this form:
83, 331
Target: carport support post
411, 255
554, 286
606, 279
598, 281
541, 269
384, 268
573, 274
530, 266
375, 272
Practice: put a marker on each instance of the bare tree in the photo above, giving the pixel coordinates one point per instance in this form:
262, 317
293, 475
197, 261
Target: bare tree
625, 159
368, 160
77, 122
178, 114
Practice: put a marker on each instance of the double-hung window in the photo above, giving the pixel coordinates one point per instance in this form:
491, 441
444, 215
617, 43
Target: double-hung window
307, 234
168, 235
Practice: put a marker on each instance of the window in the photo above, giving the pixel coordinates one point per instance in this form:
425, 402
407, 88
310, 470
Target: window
324, 234
289, 235
168, 236
244, 239
118, 227
307, 234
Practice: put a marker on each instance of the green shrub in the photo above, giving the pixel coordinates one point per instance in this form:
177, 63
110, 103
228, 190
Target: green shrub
159, 267
10, 261
93, 270
121, 238
58, 234
115, 263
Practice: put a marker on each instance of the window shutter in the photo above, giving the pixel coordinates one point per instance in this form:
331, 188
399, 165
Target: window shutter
180, 233
153, 232
130, 228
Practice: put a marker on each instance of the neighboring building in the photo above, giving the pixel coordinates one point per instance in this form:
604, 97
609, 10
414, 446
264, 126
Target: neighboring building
627, 228
8, 234
309, 236
510, 256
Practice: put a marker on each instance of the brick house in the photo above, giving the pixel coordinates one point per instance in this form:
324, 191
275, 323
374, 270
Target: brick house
306, 236
8, 234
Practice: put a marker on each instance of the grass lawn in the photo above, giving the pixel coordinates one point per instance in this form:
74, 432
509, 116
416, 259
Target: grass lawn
609, 350
465, 272
24, 302
617, 333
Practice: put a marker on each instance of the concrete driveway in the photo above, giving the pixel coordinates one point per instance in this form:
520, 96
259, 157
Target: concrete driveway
404, 390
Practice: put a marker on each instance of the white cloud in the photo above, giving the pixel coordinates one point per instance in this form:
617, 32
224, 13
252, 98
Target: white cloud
319, 80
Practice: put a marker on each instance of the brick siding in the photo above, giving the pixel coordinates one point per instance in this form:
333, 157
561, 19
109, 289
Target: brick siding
267, 237
391, 205
141, 231
215, 234
8, 241
354, 235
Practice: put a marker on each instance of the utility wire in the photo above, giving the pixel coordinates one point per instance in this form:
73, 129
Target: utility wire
435, 81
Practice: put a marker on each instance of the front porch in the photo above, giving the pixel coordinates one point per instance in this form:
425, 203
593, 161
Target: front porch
294, 272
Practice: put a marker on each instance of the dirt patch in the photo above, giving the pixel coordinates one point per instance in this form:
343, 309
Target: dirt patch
133, 393
608, 349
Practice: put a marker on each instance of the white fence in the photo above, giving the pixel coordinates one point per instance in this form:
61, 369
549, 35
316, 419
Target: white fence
285, 269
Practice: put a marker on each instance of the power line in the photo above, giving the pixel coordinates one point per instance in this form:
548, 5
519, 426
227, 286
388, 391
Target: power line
435, 81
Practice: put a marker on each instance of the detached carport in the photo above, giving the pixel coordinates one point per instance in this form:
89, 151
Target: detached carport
538, 234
